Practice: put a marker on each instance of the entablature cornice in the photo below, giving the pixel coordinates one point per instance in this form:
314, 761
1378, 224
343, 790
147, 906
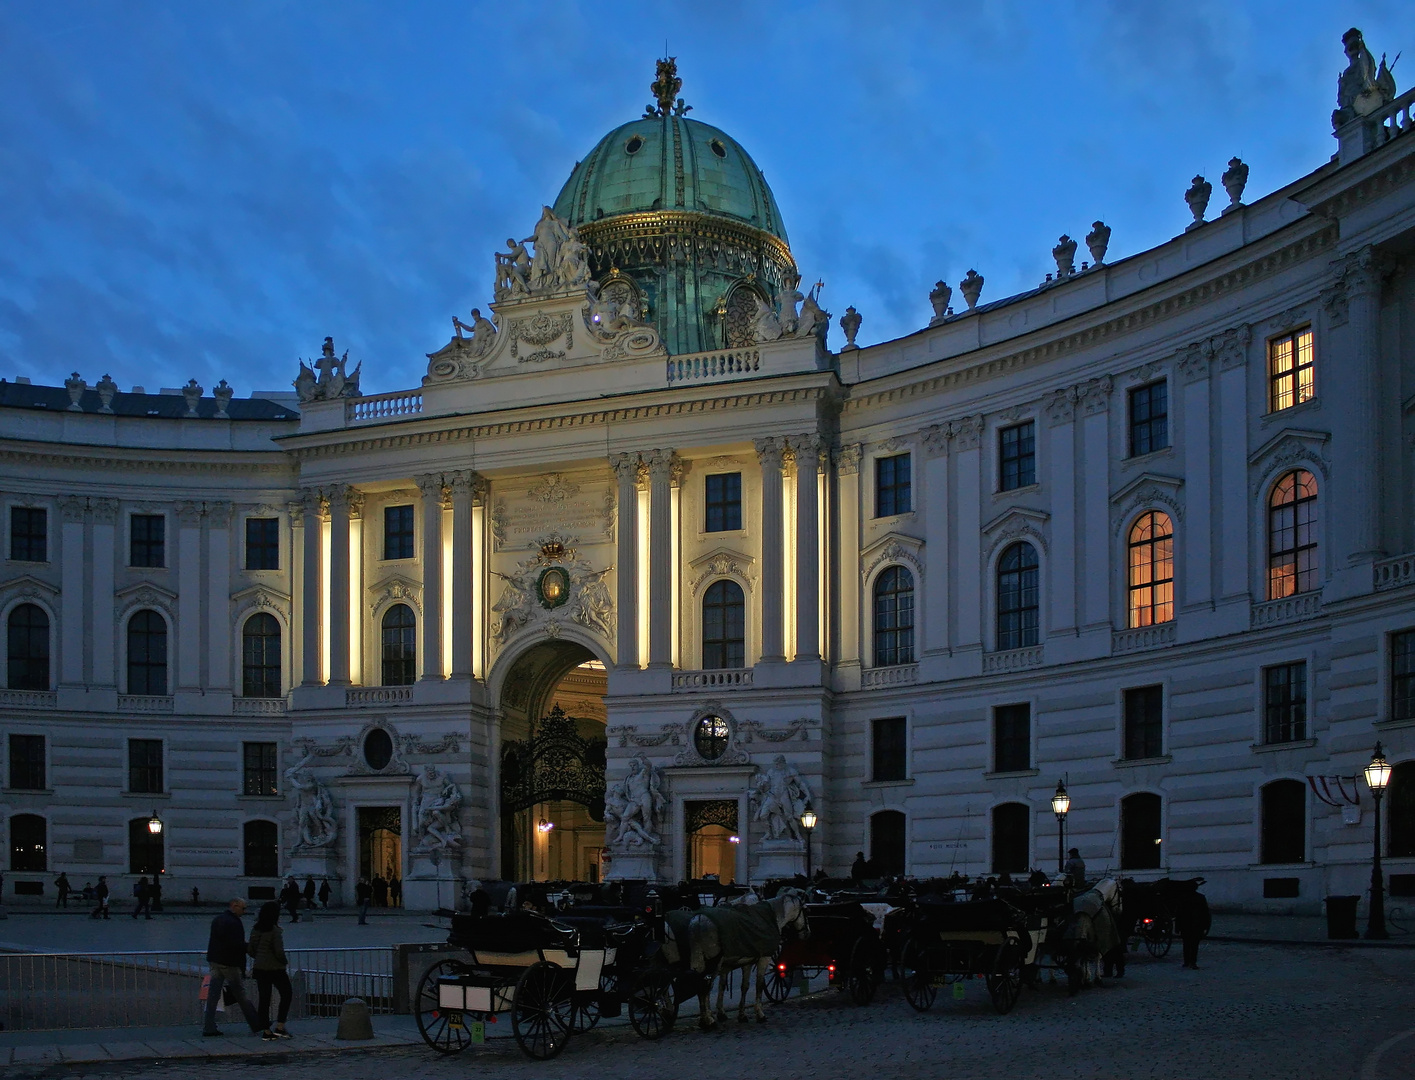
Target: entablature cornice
69, 456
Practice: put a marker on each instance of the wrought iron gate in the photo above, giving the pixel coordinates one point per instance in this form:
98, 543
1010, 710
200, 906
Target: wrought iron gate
555, 763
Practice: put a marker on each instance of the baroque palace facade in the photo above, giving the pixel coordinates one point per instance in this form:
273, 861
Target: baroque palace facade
643, 567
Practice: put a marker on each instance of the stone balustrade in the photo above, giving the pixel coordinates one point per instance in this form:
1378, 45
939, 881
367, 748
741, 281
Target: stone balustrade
259, 706
723, 679
144, 703
723, 364
382, 406
1394, 573
372, 697
28, 699
1394, 120
1012, 660
1287, 610
1141, 638
898, 675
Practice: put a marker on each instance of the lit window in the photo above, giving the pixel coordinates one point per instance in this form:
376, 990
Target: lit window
1292, 535
1291, 370
1151, 570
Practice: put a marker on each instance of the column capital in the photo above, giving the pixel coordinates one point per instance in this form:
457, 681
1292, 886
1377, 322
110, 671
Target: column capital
342, 498
807, 445
661, 465
966, 433
464, 484
296, 510
72, 507
771, 451
625, 466
430, 484
189, 514
314, 502
218, 515
1362, 270
105, 511
1094, 395
847, 459
935, 439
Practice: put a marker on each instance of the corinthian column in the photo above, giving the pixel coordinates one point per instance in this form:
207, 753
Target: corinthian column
626, 471
431, 486
461, 484
661, 569
1355, 501
807, 448
769, 454
341, 500
311, 607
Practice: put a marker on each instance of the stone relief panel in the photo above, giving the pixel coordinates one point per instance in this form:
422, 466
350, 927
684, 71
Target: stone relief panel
582, 505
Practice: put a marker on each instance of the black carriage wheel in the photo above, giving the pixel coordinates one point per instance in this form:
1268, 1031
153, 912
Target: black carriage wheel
586, 1011
542, 1013
1159, 937
1004, 989
652, 1006
435, 1025
778, 982
919, 988
864, 974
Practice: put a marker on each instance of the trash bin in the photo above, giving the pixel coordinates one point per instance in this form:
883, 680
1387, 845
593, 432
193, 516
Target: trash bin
1341, 916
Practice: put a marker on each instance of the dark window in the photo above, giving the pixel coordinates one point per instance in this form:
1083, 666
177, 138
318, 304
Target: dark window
893, 488
145, 766
262, 543
399, 646
1401, 799
378, 749
894, 617
1144, 722
1402, 675
887, 843
145, 848
1291, 371
711, 735
1292, 535
28, 633
1011, 839
397, 532
1018, 451
262, 844
724, 636
890, 738
1285, 703
29, 534
1012, 737
28, 844
1151, 569
27, 762
1284, 836
259, 765
147, 653
1017, 603
147, 540
1149, 419
724, 502
1140, 832
260, 657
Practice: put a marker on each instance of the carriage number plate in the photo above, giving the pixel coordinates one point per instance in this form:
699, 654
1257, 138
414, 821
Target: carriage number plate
454, 1019
958, 991
478, 1031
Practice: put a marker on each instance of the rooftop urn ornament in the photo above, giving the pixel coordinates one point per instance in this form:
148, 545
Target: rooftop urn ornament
850, 323
222, 394
192, 392
1197, 198
1363, 87
106, 389
971, 287
939, 296
1097, 241
1234, 179
76, 387
1065, 255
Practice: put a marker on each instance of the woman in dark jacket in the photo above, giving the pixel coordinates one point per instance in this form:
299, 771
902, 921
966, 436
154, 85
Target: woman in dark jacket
267, 949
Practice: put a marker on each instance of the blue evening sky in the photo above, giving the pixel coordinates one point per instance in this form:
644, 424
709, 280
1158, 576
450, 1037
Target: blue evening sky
207, 189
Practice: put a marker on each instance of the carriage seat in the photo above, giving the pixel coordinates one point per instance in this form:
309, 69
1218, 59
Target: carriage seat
512, 932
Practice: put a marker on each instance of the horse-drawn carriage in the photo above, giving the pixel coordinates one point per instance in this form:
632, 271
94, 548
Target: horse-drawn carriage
842, 942
949, 942
1150, 908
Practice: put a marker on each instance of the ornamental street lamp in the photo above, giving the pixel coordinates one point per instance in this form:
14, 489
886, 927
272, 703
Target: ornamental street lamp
808, 822
154, 824
1377, 777
1061, 806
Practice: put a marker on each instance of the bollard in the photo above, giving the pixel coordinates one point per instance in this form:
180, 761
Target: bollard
354, 1020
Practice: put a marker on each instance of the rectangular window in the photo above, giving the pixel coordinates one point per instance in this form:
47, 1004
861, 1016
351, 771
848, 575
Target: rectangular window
145, 766
147, 540
893, 489
1012, 738
397, 532
262, 543
1017, 450
27, 762
890, 745
1144, 722
724, 502
1149, 419
29, 534
1402, 675
1285, 702
1291, 370
260, 761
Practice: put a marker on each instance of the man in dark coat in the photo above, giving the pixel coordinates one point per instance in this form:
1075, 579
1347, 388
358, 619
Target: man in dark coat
363, 893
143, 894
62, 886
324, 892
380, 891
100, 893
859, 868
309, 892
290, 898
226, 956
1192, 920
395, 891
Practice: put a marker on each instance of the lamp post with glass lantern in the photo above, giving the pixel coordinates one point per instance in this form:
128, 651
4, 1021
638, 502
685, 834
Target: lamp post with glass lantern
1377, 777
1061, 806
154, 824
808, 822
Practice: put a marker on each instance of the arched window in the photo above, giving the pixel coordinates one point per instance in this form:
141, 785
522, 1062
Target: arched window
1017, 597
28, 844
1401, 800
262, 848
724, 616
29, 648
894, 617
1284, 822
400, 641
1292, 535
1011, 838
147, 653
1151, 562
887, 832
1140, 832
145, 848
260, 656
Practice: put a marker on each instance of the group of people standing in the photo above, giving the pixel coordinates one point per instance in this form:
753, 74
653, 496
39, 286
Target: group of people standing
226, 953
147, 895
380, 892
292, 897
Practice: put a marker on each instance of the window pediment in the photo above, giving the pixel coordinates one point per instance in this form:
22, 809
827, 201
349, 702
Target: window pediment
892, 547
1289, 448
396, 590
1148, 490
722, 562
25, 587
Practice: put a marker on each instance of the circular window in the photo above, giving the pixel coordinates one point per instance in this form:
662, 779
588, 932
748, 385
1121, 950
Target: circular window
710, 737
378, 749
717, 148
634, 145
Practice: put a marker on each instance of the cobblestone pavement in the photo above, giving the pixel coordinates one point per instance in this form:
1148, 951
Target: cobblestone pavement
1251, 1011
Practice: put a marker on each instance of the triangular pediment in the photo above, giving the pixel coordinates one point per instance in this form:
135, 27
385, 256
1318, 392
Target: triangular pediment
146, 590
1171, 483
28, 585
1290, 437
260, 592
1019, 513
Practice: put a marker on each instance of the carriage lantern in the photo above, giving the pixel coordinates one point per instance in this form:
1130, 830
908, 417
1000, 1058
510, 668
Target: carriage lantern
808, 822
1061, 806
154, 824
1377, 777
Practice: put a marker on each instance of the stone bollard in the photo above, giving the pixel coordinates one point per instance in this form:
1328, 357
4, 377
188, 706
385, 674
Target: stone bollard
354, 1020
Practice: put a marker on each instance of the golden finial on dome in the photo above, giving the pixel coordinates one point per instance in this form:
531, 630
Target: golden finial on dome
665, 89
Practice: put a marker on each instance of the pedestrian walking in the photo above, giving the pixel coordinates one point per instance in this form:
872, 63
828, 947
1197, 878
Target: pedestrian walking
395, 891
62, 886
290, 897
268, 968
363, 892
380, 891
142, 892
1192, 919
309, 892
1075, 868
100, 894
226, 958
324, 892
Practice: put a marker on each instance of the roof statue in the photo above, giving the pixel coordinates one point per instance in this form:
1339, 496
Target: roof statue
1363, 87
332, 381
665, 87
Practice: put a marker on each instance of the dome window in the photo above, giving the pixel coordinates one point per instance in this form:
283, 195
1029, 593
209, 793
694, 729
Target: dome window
634, 145
717, 148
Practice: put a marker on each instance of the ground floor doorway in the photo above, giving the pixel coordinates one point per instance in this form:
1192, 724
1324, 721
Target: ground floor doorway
381, 853
710, 831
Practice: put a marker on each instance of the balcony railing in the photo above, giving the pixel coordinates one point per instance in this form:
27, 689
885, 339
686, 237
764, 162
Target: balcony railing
724, 679
898, 675
145, 703
1287, 610
1142, 637
371, 697
1012, 660
1394, 573
29, 699
382, 406
1394, 120
725, 364
256, 706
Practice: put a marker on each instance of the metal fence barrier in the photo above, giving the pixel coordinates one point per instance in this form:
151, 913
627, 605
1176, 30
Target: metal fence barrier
155, 989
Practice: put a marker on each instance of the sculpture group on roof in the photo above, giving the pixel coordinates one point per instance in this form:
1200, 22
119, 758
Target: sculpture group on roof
333, 381
811, 320
560, 260
1363, 87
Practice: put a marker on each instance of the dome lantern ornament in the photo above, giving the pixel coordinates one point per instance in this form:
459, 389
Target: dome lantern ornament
665, 89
